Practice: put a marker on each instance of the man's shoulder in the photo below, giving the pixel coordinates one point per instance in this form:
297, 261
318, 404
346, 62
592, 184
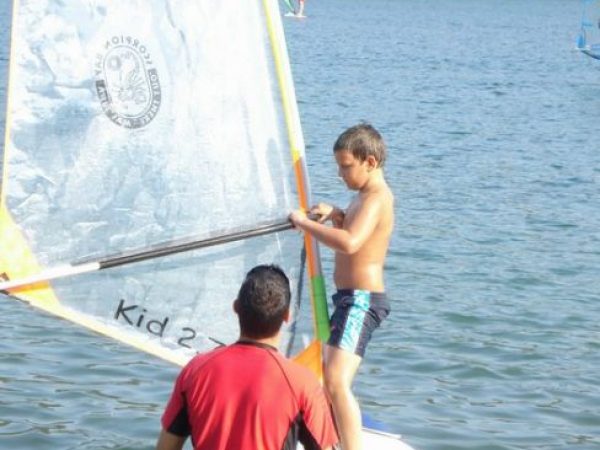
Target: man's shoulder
202, 358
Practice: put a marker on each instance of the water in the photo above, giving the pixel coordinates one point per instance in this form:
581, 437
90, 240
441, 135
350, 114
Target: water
492, 124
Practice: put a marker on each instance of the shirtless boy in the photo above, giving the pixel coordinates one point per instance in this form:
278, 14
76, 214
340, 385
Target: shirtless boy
360, 237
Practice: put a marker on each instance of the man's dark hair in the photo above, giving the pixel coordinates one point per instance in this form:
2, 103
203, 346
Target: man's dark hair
263, 301
362, 140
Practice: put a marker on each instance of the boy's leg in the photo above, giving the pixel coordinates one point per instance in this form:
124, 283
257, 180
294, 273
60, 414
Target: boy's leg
340, 368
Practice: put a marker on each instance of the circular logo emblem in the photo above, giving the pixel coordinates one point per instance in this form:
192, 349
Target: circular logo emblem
127, 82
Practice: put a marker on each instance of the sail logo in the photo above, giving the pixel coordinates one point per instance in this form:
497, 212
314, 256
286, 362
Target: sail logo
127, 82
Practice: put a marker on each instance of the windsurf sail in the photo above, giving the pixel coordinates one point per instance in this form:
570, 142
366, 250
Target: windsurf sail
588, 41
161, 135
290, 6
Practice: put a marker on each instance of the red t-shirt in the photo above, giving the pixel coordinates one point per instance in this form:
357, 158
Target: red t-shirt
248, 396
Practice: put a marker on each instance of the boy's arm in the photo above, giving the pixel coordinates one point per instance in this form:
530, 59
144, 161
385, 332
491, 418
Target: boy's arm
349, 239
325, 212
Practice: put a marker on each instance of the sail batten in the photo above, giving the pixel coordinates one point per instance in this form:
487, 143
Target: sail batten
132, 126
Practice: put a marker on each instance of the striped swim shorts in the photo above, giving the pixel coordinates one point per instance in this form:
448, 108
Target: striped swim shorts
357, 314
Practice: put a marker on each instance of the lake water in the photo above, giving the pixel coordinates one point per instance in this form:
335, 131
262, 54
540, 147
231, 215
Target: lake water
493, 126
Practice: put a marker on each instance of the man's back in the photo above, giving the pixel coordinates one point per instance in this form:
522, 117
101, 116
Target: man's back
247, 396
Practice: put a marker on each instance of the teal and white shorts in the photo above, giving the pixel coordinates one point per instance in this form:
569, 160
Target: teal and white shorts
357, 314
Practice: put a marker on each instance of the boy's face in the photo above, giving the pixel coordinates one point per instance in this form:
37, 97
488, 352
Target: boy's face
353, 171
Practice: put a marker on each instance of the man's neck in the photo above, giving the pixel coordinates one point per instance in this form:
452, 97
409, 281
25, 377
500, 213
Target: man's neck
271, 341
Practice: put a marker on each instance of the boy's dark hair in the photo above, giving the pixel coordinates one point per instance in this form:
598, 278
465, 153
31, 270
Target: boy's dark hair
362, 140
263, 301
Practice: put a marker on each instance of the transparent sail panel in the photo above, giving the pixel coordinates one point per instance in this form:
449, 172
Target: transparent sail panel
133, 123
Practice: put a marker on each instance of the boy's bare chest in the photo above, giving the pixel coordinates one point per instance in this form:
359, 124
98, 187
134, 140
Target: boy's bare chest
352, 210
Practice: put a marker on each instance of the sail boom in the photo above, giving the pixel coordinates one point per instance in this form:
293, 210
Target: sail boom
50, 274
156, 251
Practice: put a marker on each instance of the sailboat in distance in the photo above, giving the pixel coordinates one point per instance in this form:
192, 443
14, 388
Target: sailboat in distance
294, 9
152, 152
588, 40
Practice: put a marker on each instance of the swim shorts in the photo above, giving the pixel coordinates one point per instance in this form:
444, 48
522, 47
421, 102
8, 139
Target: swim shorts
357, 314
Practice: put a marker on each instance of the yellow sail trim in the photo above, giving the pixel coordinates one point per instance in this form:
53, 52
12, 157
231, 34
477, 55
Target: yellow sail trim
16, 258
286, 93
17, 261
318, 296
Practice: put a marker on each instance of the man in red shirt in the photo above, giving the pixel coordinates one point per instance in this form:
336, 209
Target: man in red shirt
247, 396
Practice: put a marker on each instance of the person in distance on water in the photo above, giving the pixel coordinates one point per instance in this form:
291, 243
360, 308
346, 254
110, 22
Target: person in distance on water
247, 396
300, 12
360, 237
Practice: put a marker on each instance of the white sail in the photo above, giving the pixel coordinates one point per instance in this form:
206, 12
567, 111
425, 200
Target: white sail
132, 124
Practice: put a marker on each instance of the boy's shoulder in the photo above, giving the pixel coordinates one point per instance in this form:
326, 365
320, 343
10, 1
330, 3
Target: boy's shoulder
382, 192
380, 201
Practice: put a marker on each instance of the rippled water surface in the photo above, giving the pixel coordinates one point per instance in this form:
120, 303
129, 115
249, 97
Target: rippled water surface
493, 127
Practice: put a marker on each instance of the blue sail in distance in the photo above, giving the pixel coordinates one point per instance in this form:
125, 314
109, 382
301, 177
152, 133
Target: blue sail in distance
588, 41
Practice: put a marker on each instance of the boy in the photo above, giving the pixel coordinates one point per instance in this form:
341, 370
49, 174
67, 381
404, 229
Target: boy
360, 238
